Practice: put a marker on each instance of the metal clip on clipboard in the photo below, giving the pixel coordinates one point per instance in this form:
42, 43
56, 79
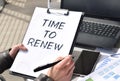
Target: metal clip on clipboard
58, 11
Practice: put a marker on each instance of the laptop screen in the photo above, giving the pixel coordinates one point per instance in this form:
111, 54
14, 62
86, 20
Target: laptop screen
102, 8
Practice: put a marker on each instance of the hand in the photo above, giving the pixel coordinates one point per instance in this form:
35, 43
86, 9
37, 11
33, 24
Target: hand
13, 52
63, 70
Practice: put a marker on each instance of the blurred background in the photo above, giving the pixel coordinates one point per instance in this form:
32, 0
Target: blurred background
14, 20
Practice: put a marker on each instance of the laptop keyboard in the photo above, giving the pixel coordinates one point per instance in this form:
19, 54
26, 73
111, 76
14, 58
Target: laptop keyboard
99, 29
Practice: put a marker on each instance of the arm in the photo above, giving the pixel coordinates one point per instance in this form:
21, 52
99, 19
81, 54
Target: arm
5, 60
7, 56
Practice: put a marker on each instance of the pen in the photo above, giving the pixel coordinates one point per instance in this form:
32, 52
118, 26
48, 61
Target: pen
45, 66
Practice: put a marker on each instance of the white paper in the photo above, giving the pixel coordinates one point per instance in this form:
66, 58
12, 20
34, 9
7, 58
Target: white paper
57, 38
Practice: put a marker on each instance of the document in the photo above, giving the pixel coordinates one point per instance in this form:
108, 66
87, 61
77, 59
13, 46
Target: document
50, 34
108, 70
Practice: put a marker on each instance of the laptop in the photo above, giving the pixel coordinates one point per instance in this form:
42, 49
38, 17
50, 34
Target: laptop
101, 18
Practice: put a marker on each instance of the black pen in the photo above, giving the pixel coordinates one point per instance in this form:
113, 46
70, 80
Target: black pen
45, 66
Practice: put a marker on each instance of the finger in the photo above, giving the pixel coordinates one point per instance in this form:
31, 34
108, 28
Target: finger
59, 58
14, 49
68, 67
66, 60
70, 73
18, 47
22, 47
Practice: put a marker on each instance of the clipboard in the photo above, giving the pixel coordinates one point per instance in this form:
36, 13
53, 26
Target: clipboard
50, 34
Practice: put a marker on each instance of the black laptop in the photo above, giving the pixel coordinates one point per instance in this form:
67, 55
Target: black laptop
100, 26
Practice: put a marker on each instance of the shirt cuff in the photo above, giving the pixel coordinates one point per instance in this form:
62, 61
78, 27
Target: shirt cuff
43, 77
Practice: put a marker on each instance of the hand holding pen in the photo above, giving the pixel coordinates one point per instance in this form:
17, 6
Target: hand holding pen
63, 70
